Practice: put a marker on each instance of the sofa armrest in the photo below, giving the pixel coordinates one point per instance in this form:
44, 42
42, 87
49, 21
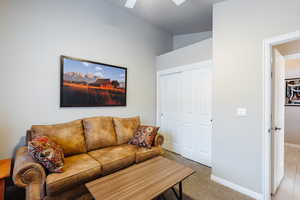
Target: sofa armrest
158, 140
29, 174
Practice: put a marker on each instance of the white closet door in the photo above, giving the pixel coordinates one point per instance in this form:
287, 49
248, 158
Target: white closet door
184, 111
170, 111
196, 115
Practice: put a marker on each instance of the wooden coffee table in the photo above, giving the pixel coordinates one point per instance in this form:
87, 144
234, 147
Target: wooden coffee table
143, 181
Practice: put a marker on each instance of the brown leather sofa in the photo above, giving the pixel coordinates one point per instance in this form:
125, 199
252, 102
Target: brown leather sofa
88, 156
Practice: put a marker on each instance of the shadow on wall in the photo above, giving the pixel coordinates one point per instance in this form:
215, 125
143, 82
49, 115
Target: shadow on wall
5, 139
22, 142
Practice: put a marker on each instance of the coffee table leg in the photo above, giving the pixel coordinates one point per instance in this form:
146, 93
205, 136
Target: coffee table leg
180, 190
179, 197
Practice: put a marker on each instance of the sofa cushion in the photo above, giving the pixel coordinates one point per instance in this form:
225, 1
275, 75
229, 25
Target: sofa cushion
115, 158
143, 154
99, 132
78, 169
69, 136
126, 128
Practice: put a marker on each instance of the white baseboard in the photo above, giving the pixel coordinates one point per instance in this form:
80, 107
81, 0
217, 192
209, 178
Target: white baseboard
237, 188
292, 145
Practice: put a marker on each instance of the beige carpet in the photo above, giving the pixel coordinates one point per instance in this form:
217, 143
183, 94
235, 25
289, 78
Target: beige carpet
289, 188
199, 186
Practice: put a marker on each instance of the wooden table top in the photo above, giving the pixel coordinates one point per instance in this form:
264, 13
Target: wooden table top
143, 181
5, 168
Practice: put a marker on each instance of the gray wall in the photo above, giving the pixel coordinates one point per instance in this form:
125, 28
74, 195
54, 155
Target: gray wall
184, 40
239, 28
292, 113
35, 33
188, 55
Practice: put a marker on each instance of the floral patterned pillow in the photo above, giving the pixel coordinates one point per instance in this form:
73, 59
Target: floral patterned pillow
144, 136
48, 153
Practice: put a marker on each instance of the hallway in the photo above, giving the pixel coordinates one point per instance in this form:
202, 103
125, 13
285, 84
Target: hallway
290, 186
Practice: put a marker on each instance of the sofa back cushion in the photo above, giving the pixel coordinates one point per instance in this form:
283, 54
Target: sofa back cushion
126, 128
99, 132
69, 136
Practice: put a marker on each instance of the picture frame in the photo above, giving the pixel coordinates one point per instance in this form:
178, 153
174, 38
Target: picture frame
85, 83
292, 92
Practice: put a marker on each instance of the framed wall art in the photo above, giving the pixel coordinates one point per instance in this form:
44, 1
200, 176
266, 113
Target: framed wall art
292, 92
91, 84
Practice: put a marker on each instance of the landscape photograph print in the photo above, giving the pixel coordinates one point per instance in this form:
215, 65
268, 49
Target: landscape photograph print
91, 84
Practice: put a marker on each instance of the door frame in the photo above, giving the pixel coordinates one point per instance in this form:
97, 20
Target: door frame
172, 70
267, 101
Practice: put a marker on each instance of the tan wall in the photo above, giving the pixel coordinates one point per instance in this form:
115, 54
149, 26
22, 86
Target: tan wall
35, 33
289, 48
239, 28
292, 113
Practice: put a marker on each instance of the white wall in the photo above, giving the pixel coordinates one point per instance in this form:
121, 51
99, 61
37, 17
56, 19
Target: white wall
184, 40
239, 28
292, 113
35, 33
188, 55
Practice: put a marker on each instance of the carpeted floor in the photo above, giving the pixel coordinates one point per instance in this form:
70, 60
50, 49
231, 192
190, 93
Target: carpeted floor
289, 188
199, 186
196, 187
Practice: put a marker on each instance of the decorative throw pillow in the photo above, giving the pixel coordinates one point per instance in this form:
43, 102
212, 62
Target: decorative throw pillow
144, 136
48, 153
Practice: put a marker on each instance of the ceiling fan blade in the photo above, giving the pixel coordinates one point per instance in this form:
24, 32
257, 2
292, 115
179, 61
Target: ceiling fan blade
130, 3
178, 2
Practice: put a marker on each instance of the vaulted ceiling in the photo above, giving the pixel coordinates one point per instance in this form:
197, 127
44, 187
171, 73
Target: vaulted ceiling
191, 17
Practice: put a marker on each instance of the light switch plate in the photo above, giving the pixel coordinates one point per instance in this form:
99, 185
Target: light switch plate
241, 112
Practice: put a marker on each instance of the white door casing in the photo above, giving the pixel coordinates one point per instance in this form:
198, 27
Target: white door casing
188, 134
267, 45
278, 97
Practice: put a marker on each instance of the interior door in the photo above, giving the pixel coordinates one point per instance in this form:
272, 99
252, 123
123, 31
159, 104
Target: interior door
278, 80
196, 115
170, 110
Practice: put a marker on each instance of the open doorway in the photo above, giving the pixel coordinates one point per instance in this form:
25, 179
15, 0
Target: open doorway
281, 91
285, 168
